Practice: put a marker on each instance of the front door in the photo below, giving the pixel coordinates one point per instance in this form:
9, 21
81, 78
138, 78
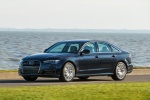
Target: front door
89, 63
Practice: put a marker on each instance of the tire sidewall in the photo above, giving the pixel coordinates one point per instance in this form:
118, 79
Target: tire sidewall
115, 76
116, 71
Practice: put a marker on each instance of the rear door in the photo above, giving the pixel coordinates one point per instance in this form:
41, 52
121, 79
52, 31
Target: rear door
107, 58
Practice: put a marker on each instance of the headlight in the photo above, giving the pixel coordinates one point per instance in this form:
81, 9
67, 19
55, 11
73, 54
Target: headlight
51, 61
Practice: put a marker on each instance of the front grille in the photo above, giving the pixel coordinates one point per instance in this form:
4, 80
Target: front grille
27, 71
31, 67
31, 63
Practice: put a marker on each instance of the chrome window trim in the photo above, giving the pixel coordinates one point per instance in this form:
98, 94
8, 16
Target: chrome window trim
119, 51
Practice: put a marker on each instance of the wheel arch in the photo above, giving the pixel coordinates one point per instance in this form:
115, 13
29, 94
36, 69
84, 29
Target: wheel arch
118, 62
72, 63
115, 76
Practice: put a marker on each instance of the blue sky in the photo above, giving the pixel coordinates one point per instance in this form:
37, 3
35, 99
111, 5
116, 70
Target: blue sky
76, 14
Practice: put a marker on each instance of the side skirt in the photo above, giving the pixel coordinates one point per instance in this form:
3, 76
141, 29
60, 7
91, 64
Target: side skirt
98, 74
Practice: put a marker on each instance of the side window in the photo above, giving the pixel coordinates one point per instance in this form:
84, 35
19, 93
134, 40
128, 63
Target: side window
58, 48
73, 48
89, 46
114, 49
103, 47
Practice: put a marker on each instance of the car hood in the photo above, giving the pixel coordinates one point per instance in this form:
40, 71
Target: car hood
45, 56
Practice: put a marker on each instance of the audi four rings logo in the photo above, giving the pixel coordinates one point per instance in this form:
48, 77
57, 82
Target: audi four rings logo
30, 62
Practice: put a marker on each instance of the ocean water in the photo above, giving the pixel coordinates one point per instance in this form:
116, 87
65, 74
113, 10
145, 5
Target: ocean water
16, 45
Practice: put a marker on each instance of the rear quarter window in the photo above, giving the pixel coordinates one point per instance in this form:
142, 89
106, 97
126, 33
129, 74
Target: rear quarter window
104, 47
114, 49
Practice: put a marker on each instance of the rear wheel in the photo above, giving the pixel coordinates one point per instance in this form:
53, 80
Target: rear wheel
83, 78
120, 71
30, 78
67, 73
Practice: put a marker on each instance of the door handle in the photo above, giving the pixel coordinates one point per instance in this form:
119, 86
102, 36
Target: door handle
113, 56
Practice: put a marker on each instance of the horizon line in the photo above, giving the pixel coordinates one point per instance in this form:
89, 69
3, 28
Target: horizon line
71, 29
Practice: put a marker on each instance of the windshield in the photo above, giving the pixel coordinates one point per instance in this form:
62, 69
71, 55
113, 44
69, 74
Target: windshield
65, 47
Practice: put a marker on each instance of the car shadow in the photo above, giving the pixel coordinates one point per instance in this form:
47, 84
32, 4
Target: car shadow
52, 80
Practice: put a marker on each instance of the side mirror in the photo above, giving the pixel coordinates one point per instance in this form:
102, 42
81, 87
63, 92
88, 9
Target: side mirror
85, 52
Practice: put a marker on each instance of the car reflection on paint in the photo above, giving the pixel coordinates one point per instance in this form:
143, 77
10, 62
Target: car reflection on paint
77, 58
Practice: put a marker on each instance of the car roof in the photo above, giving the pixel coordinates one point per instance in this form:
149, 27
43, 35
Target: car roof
83, 40
89, 40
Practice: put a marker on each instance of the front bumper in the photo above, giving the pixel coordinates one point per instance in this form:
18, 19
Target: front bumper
43, 70
130, 68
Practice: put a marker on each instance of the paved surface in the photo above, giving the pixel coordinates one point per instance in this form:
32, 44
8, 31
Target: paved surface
55, 81
12, 79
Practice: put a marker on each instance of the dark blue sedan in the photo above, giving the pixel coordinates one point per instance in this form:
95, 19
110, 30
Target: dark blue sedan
77, 58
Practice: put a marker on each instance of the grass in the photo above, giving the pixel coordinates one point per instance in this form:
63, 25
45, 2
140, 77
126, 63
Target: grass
103, 91
8, 71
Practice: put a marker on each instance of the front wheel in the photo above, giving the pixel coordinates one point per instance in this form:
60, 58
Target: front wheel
120, 71
67, 73
30, 78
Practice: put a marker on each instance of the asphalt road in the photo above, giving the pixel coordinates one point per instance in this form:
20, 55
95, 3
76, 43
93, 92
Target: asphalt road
55, 81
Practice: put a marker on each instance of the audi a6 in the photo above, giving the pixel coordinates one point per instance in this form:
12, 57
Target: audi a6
77, 58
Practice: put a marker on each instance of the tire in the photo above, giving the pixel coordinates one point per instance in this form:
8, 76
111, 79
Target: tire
120, 71
83, 78
67, 72
30, 78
